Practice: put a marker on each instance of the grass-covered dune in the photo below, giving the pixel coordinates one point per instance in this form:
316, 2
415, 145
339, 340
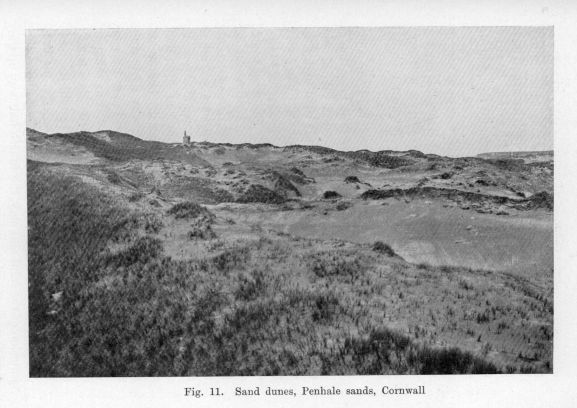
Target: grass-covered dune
106, 300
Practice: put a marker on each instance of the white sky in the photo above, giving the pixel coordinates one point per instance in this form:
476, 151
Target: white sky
451, 91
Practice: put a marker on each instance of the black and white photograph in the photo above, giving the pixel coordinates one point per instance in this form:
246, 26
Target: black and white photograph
258, 204
290, 201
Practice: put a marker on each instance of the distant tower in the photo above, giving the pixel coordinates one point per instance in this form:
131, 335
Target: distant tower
185, 139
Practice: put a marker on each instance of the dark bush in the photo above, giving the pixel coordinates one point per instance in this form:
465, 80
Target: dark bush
135, 196
260, 194
343, 205
189, 209
372, 355
329, 195
231, 258
298, 176
152, 224
483, 317
113, 177
383, 248
378, 159
201, 231
283, 186
352, 179
297, 171
509, 164
219, 195
326, 307
382, 194
542, 199
453, 361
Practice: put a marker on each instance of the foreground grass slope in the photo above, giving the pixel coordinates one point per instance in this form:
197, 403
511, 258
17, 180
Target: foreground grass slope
106, 300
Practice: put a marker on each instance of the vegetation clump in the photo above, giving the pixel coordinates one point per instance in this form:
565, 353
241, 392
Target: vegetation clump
337, 264
379, 159
296, 175
509, 164
189, 209
137, 196
343, 205
385, 351
384, 249
446, 175
201, 229
113, 177
231, 258
257, 193
329, 195
297, 171
284, 187
542, 199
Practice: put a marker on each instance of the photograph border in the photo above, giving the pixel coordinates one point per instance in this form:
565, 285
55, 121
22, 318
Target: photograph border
17, 389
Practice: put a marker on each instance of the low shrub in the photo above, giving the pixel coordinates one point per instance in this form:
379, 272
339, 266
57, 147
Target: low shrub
383, 248
113, 177
329, 195
509, 164
201, 230
297, 171
446, 175
231, 258
135, 196
260, 194
542, 199
189, 209
152, 224
326, 306
343, 205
